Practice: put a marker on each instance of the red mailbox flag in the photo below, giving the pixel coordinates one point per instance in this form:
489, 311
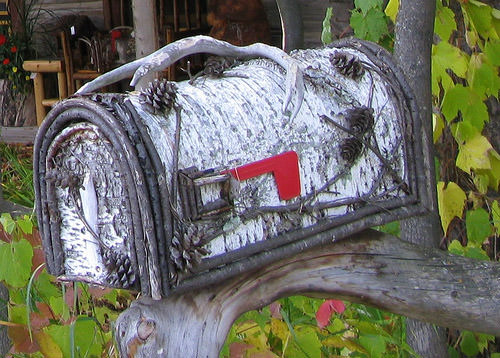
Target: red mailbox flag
284, 166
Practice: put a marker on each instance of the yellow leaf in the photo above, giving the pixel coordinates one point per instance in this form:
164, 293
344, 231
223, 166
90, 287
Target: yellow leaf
437, 126
253, 335
451, 203
48, 347
279, 329
266, 354
494, 173
495, 212
391, 9
339, 342
474, 154
481, 181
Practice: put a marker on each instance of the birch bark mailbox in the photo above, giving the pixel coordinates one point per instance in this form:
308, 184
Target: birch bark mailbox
185, 184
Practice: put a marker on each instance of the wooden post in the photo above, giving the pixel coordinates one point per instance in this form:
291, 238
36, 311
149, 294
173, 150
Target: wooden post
39, 97
291, 24
146, 31
414, 34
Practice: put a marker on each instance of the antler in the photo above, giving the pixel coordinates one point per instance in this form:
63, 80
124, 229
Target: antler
169, 54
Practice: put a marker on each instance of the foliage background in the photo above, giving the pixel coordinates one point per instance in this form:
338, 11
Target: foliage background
48, 319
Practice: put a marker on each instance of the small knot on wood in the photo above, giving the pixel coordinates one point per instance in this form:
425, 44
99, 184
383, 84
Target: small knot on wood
145, 329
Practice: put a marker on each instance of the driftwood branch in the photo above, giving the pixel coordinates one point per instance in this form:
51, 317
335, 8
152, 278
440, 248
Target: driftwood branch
175, 51
372, 268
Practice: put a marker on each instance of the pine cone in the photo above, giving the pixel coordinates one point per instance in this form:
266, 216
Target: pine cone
348, 65
215, 65
360, 119
186, 251
159, 96
350, 149
120, 267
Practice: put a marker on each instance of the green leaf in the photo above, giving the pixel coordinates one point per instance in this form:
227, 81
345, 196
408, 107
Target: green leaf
468, 344
45, 286
326, 33
456, 248
452, 352
391, 10
483, 77
444, 24
8, 223
17, 314
16, 262
480, 17
476, 253
466, 101
60, 335
370, 26
483, 340
478, 226
446, 56
492, 52
374, 344
391, 228
307, 343
85, 338
474, 154
25, 224
464, 131
367, 5
453, 101
451, 203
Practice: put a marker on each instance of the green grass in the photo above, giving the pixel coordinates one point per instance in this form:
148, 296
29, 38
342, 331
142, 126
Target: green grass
16, 176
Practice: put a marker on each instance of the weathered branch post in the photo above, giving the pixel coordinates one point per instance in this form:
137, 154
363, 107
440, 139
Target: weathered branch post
256, 180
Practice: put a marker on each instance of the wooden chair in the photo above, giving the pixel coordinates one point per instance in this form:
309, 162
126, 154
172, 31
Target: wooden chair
39, 68
4, 13
187, 20
74, 77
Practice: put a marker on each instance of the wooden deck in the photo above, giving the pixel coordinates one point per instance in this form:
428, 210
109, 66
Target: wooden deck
22, 135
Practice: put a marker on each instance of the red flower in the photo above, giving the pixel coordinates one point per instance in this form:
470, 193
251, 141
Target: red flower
6, 61
13, 49
3, 39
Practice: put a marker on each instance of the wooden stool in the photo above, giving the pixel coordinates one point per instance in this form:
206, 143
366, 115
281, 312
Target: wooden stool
38, 68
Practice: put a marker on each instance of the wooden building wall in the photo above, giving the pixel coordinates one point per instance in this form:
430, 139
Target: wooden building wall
53, 9
313, 12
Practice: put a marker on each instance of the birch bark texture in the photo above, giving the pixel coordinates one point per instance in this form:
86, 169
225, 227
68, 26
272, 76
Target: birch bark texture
185, 184
350, 120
